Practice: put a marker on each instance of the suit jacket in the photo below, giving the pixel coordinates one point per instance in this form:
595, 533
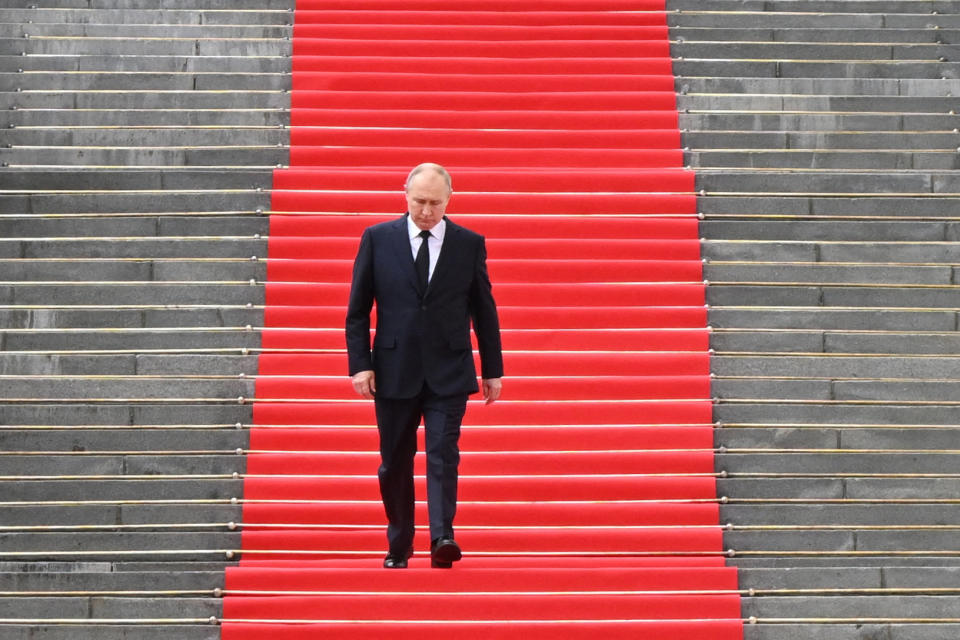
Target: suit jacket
422, 336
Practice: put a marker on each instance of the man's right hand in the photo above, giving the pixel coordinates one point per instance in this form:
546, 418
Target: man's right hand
365, 384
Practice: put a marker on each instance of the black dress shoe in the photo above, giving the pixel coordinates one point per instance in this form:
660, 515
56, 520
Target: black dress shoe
444, 552
397, 560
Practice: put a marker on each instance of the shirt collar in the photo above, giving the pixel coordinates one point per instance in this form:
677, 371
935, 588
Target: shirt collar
437, 232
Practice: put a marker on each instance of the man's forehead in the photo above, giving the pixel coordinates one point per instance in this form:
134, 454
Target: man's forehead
427, 176
433, 190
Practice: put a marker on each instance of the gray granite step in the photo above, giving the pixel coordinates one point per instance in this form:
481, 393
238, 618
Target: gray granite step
130, 388
257, 7
940, 105
123, 439
795, 34
208, 464
127, 364
816, 341
67, 117
111, 581
829, 273
96, 27
197, 631
824, 6
848, 435
703, 141
828, 319
119, 489
849, 159
153, 293
124, 414
760, 17
831, 230
839, 463
869, 253
117, 14
262, 156
774, 413
851, 367
81, 179
139, 137
813, 51
234, 338
169, 201
209, 99
138, 270
827, 390
68, 318
934, 207
851, 514
850, 606
169, 247
179, 81
252, 47
858, 631
820, 86
686, 65
745, 120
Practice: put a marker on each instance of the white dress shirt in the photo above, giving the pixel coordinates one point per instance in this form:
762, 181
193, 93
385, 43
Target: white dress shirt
435, 239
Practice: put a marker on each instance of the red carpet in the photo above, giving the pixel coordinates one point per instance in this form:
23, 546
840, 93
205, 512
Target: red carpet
588, 503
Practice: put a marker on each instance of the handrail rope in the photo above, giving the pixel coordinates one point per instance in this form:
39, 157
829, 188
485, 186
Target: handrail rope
722, 474
158, 10
253, 282
252, 350
231, 554
866, 264
806, 112
285, 40
241, 451
747, 150
320, 127
243, 400
244, 351
240, 426
218, 592
705, 170
343, 526
709, 261
702, 193
214, 620
721, 500
314, 330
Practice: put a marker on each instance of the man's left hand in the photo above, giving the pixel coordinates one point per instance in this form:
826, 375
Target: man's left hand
491, 389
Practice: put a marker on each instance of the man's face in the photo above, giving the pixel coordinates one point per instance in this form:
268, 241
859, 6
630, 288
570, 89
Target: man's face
427, 198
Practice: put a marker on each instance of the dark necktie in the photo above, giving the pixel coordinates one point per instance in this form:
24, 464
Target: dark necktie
423, 260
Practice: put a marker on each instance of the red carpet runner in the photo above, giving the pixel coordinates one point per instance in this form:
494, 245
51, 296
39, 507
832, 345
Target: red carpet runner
588, 498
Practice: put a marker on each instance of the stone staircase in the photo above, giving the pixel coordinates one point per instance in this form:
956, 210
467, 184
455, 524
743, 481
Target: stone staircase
825, 140
139, 152
141, 143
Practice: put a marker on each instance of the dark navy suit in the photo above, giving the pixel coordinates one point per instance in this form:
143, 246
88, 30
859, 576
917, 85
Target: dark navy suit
422, 360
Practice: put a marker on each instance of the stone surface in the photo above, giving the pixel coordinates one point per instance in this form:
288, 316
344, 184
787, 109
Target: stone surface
156, 108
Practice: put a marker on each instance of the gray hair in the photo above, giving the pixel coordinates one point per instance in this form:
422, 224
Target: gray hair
428, 166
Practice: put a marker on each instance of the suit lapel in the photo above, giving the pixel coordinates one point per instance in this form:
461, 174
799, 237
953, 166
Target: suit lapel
447, 250
401, 246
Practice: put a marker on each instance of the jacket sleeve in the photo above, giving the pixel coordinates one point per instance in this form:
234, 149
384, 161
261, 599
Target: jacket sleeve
358, 308
486, 324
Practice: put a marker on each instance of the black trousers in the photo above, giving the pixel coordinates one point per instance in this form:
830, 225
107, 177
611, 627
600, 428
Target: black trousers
397, 421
